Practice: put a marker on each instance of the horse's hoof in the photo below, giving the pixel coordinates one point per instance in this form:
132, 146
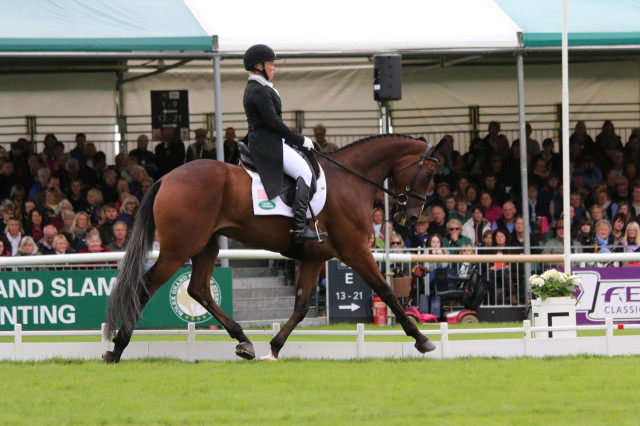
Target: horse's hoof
269, 357
110, 358
245, 350
425, 346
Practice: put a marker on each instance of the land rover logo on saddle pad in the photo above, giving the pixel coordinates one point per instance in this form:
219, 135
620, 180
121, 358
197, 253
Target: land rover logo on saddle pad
267, 205
184, 306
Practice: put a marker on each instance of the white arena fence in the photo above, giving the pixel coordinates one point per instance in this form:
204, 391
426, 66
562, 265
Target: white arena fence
192, 350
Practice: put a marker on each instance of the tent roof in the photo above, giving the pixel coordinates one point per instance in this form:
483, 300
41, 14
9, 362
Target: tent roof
590, 22
339, 27
100, 26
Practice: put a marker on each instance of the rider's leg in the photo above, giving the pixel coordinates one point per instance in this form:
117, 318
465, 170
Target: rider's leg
295, 166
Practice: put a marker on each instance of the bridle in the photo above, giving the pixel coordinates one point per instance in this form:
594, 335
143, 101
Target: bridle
401, 199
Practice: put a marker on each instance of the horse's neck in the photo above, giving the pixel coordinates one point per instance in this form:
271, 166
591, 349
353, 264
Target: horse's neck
376, 163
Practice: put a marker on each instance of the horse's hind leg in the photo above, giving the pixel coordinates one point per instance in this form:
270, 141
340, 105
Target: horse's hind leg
199, 290
159, 273
305, 283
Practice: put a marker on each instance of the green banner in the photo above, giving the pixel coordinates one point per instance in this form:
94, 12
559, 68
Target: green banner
77, 300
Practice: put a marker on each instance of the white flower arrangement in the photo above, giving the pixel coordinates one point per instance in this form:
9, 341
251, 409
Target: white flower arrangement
553, 283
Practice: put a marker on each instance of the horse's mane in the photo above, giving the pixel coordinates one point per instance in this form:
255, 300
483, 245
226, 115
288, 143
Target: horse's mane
373, 137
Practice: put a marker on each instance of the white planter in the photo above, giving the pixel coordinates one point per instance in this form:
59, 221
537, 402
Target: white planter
554, 312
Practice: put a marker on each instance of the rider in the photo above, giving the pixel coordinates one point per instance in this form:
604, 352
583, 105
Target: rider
270, 139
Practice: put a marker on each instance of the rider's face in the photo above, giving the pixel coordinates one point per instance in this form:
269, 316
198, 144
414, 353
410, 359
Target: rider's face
270, 68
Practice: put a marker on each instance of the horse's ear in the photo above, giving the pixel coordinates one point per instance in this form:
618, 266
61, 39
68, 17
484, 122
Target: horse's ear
434, 149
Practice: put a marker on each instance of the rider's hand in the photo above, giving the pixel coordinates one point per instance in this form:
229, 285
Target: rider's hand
308, 143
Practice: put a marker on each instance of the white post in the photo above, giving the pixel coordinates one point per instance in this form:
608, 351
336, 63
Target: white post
444, 340
217, 100
565, 140
526, 341
17, 348
191, 341
609, 335
360, 341
276, 328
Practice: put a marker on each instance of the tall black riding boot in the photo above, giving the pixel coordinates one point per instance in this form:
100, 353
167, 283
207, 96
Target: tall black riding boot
301, 230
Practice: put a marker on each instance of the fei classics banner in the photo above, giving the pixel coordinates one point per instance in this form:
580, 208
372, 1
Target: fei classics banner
77, 300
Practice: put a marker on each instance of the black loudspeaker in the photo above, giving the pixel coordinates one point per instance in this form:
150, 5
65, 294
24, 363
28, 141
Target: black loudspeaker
387, 77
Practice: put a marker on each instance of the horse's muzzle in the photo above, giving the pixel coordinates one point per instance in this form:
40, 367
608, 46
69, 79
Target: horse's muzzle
401, 219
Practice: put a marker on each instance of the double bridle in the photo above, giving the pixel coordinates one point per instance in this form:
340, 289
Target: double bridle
402, 198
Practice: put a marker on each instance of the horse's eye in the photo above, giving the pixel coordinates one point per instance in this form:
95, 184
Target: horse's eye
428, 176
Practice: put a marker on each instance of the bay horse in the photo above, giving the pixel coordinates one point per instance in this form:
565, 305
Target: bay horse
193, 205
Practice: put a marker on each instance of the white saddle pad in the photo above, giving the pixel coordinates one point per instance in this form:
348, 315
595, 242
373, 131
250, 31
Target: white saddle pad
263, 206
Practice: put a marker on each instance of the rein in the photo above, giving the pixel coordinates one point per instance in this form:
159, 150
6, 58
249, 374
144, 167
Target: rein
402, 198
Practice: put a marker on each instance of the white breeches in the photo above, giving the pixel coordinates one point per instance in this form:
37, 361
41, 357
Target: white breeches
294, 165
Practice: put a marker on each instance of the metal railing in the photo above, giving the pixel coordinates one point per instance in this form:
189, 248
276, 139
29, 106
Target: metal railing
343, 126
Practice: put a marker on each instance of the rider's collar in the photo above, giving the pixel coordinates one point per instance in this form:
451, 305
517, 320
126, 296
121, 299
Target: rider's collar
260, 79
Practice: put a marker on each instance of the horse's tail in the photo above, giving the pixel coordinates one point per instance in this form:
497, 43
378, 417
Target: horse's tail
124, 301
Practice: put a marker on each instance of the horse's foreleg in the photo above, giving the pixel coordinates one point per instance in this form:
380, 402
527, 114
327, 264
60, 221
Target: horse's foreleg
305, 284
199, 290
366, 267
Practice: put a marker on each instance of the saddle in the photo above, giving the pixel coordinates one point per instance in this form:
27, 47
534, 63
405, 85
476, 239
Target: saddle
289, 186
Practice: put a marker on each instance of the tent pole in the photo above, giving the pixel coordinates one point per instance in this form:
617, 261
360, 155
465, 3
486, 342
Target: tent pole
217, 99
524, 183
120, 114
565, 141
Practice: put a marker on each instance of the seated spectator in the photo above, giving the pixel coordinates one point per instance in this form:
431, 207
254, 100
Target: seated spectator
109, 187
494, 188
507, 219
596, 213
604, 239
128, 210
553, 159
380, 241
585, 235
607, 139
540, 173
93, 244
78, 231
631, 239
634, 204
434, 246
438, 221
517, 235
621, 190
475, 228
77, 196
5, 246
583, 141
443, 173
146, 158
106, 227
319, 134
27, 247
45, 244
618, 226
58, 220
44, 174
461, 212
14, 233
201, 148
120, 235
377, 217
577, 203
592, 174
556, 244
461, 186
450, 205
492, 211
35, 225
61, 245
419, 236
473, 195
454, 236
487, 242
95, 200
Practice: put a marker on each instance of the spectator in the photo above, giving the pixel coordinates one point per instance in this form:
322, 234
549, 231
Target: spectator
5, 247
93, 244
604, 239
461, 186
607, 139
438, 221
621, 190
461, 212
475, 227
14, 233
604, 201
582, 139
556, 244
517, 235
450, 205
540, 173
146, 158
61, 245
472, 195
443, 172
592, 174
497, 191
631, 239
145, 185
7, 209
106, 228
575, 199
319, 133
77, 196
95, 200
438, 197
533, 146
27, 247
79, 228
169, 152
77, 153
434, 246
8, 178
128, 210
17, 196
585, 235
420, 236
492, 211
119, 242
596, 213
454, 236
507, 219
44, 174
45, 244
109, 188
35, 225
230, 145
377, 219
618, 226
201, 148
553, 159
58, 220
453, 157
47, 154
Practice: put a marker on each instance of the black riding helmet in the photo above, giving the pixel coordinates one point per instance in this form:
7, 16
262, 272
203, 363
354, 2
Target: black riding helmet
258, 54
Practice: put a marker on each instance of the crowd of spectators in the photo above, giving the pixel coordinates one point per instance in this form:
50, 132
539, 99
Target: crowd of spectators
476, 196
56, 202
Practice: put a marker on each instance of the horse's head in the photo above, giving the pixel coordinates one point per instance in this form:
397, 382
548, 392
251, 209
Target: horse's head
411, 183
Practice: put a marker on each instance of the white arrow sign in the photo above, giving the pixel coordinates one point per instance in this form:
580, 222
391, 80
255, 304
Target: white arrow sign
352, 307
166, 111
